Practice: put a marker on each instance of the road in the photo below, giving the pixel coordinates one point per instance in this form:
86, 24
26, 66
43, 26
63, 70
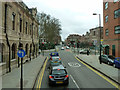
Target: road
80, 76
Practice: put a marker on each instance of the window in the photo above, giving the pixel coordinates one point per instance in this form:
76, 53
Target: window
117, 29
13, 21
26, 28
117, 13
30, 29
94, 33
20, 25
106, 5
106, 18
106, 32
115, 1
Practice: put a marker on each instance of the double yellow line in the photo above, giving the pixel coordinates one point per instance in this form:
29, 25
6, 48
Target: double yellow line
41, 75
110, 81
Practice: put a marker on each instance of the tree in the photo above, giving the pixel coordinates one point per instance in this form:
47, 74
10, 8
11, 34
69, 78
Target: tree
50, 27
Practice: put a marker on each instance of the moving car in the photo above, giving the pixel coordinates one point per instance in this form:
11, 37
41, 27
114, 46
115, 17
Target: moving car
54, 55
117, 62
108, 59
55, 62
62, 48
58, 75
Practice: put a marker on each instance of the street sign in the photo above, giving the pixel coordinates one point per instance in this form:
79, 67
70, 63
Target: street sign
95, 41
21, 53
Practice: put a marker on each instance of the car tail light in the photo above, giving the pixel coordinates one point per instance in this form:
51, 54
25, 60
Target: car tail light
66, 76
50, 77
59, 58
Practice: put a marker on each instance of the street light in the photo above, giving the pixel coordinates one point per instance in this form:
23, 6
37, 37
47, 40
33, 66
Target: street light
100, 32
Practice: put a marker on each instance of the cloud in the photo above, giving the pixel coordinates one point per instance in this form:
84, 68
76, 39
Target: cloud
75, 15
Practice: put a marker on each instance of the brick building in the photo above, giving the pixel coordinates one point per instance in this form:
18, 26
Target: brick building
73, 39
111, 30
18, 27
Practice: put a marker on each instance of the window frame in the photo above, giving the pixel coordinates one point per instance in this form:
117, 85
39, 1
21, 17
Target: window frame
106, 18
118, 30
106, 5
117, 11
13, 21
106, 32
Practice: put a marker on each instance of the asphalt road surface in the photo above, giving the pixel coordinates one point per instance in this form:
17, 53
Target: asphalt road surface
80, 76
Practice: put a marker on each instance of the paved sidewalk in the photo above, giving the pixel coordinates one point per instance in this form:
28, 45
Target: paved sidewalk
108, 70
30, 71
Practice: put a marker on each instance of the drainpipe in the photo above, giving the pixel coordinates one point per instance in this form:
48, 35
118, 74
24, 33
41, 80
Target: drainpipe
7, 40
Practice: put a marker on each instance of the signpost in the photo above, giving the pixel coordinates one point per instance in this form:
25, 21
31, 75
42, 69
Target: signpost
21, 53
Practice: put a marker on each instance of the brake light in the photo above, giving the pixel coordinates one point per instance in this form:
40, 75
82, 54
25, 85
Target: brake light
59, 58
50, 77
66, 76
58, 69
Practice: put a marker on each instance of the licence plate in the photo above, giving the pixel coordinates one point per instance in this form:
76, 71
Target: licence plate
59, 82
55, 62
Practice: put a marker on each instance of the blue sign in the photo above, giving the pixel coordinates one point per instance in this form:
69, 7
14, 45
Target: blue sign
21, 53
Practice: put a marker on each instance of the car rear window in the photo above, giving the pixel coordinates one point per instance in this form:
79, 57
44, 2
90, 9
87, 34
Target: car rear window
111, 57
58, 72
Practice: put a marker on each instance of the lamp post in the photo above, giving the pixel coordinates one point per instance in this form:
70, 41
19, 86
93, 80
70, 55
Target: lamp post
100, 32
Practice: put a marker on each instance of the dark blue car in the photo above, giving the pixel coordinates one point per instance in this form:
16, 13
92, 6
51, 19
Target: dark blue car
117, 62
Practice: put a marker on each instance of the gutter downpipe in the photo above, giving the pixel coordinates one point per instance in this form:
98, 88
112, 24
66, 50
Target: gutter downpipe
7, 40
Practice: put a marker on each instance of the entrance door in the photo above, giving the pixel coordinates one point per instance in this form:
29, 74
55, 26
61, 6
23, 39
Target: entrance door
113, 50
107, 50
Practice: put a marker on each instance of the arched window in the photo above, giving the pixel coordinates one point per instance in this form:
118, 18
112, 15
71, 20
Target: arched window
13, 51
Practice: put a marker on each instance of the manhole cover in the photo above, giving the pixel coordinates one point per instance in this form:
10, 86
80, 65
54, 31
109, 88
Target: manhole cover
74, 64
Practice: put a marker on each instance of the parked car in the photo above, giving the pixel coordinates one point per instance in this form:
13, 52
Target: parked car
117, 62
58, 75
67, 47
84, 51
108, 59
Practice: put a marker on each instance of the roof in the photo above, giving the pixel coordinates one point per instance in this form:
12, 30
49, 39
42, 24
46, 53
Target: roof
54, 54
58, 67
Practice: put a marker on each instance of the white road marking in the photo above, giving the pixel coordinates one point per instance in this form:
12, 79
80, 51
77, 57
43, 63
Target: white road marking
74, 64
74, 82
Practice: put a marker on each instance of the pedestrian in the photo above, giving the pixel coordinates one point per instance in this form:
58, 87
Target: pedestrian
87, 52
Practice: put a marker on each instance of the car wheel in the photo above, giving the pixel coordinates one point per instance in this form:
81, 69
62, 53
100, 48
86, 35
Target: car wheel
114, 65
50, 84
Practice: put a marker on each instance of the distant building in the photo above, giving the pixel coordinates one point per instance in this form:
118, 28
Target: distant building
94, 36
111, 30
18, 27
72, 39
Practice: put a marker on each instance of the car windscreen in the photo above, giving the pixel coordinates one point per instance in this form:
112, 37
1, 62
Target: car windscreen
54, 72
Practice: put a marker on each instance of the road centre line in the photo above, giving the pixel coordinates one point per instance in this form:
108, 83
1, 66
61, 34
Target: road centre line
41, 75
114, 84
74, 81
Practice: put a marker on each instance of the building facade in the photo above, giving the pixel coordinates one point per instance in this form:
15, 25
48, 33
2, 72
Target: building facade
111, 30
18, 28
73, 39
94, 36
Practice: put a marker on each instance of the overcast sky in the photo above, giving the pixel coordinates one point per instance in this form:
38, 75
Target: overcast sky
75, 15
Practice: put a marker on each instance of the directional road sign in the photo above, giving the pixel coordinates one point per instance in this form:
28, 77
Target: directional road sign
21, 53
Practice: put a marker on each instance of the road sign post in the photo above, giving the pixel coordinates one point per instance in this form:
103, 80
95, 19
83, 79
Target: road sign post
21, 54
